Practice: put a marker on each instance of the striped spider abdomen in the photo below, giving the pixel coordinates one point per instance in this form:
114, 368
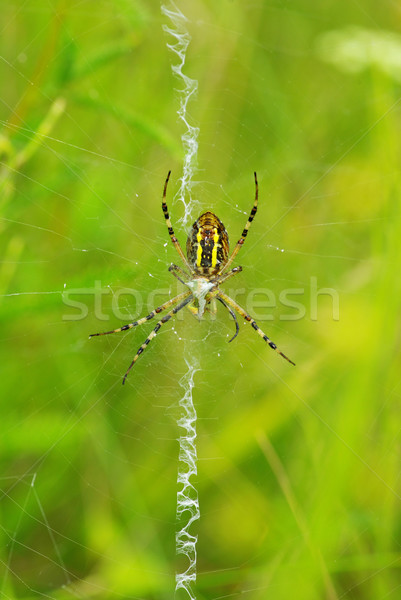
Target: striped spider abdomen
207, 245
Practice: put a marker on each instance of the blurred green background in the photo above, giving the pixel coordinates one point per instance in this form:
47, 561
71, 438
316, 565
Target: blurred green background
299, 468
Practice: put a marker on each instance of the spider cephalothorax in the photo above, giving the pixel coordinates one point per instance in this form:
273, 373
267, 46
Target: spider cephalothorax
208, 258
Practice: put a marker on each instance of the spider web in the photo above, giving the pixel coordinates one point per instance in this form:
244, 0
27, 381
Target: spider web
188, 511
89, 468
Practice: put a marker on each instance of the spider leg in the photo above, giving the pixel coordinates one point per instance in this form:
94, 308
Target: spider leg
174, 269
153, 333
242, 239
168, 223
226, 276
252, 321
147, 318
232, 313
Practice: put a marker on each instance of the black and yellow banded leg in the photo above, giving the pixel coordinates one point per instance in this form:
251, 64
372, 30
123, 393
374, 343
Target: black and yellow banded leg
168, 223
174, 270
232, 313
252, 321
219, 280
153, 334
154, 312
251, 217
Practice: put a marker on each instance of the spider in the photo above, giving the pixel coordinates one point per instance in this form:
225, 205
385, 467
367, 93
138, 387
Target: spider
207, 266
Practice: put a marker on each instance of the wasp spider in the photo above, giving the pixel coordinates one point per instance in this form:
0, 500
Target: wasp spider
207, 266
